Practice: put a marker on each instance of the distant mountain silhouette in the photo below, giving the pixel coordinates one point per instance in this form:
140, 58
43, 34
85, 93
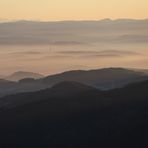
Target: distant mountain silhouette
22, 75
25, 85
103, 79
63, 89
68, 88
27, 80
6, 84
107, 78
85, 117
140, 70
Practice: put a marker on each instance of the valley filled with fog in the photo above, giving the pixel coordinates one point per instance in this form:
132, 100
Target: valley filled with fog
53, 47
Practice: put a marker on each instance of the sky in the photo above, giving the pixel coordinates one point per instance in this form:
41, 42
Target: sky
50, 48
51, 10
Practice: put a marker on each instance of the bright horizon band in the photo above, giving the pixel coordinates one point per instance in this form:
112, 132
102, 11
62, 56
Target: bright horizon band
54, 10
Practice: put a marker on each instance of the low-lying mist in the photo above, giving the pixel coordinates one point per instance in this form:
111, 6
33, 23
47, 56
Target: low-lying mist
51, 47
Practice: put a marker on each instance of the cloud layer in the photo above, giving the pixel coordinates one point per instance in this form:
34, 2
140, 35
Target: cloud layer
73, 33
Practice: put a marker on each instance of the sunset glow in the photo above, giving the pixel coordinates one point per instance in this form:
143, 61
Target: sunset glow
50, 10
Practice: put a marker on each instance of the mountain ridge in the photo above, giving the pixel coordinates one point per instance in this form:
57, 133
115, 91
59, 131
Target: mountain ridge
16, 76
103, 79
84, 119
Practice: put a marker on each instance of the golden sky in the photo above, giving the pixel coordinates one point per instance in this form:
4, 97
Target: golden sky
72, 9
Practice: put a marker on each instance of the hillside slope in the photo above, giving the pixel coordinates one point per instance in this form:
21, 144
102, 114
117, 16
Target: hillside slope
85, 117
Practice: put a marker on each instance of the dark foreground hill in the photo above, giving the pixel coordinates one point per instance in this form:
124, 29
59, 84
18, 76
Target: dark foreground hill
71, 114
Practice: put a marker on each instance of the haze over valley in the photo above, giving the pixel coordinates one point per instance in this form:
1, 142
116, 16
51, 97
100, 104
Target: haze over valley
54, 47
73, 74
74, 84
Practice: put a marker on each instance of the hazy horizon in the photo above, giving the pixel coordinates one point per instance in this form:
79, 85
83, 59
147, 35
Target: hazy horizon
53, 47
53, 36
6, 20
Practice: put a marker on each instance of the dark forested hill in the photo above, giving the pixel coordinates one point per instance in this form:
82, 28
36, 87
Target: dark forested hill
71, 114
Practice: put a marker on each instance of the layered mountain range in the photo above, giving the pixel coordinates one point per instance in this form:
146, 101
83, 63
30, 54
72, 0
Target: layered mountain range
72, 114
103, 79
